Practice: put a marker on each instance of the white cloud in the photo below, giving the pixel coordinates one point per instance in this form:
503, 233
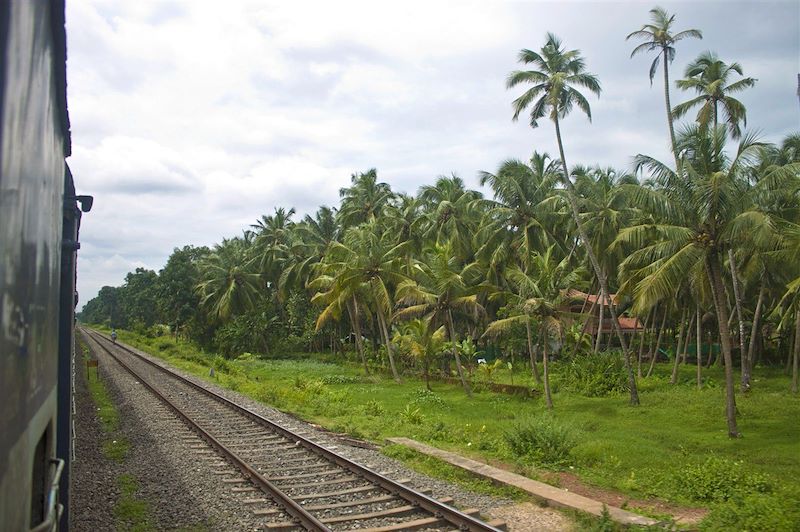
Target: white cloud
191, 119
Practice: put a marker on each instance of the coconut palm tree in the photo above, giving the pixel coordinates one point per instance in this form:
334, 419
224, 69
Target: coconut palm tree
541, 293
364, 268
418, 339
230, 282
452, 212
708, 77
441, 291
697, 220
523, 217
553, 95
272, 241
364, 200
658, 36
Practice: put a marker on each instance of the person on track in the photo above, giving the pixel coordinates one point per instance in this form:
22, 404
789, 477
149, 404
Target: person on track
114, 336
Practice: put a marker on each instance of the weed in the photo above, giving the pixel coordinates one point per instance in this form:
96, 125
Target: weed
411, 415
542, 440
374, 408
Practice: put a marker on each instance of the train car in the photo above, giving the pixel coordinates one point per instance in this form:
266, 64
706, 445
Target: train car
39, 219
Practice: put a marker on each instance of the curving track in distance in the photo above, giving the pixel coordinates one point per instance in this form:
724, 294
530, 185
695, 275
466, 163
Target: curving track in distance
316, 488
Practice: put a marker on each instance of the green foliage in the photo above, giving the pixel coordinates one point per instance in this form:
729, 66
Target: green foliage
411, 415
132, 513
425, 398
756, 512
342, 379
719, 480
542, 440
595, 375
374, 408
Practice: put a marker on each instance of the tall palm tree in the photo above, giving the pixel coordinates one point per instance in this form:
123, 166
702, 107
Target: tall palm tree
442, 291
552, 95
708, 77
657, 36
697, 220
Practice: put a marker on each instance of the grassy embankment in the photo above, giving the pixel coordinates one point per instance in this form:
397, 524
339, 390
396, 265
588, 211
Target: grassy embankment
673, 447
130, 512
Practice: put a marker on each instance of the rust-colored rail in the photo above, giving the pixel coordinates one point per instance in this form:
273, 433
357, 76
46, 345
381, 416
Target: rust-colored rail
459, 519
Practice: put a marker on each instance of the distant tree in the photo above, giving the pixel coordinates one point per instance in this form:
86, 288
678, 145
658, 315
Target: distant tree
178, 301
659, 36
708, 77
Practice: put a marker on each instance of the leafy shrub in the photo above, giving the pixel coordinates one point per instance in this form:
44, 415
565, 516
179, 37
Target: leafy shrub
221, 365
595, 375
756, 512
246, 357
341, 379
542, 440
425, 397
163, 346
412, 415
719, 480
374, 408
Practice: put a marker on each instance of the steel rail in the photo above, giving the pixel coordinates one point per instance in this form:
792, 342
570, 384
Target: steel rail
307, 520
461, 520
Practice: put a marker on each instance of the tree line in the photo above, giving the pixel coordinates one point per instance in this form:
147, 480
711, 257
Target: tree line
702, 248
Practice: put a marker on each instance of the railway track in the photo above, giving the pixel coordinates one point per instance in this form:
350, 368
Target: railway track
291, 482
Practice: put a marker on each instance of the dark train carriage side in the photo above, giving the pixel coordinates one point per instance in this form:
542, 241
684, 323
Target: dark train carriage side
38, 242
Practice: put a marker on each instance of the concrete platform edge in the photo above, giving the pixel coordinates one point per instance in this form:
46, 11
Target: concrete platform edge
551, 495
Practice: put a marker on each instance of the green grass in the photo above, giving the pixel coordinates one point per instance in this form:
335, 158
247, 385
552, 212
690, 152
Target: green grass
659, 449
131, 513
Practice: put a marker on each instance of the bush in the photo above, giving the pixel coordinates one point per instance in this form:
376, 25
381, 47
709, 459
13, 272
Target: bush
595, 375
541, 440
425, 397
756, 512
719, 480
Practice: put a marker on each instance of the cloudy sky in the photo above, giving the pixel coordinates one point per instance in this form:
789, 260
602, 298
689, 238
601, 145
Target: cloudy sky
192, 119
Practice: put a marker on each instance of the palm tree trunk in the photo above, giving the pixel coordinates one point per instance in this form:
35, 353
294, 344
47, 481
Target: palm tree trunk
531, 352
641, 343
669, 115
725, 339
795, 358
573, 203
548, 399
388, 342
699, 347
352, 307
674, 378
754, 331
737, 295
599, 323
585, 326
452, 334
687, 339
658, 344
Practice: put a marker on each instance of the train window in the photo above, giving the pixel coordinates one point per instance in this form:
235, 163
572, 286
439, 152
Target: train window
39, 481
